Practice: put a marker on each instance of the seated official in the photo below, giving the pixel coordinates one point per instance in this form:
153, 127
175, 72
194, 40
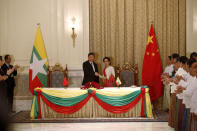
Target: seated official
108, 73
10, 71
90, 69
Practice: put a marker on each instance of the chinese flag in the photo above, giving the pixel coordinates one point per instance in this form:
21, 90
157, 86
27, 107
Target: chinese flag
151, 72
65, 82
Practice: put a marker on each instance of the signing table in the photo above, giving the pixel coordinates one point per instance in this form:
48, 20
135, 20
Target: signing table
113, 102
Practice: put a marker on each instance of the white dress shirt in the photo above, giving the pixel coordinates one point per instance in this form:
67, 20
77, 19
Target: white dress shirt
169, 69
190, 89
92, 64
182, 83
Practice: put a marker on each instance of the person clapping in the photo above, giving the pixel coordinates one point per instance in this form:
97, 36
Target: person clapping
11, 72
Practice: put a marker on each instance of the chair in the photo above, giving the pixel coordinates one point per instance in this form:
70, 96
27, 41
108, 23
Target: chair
56, 75
128, 75
117, 70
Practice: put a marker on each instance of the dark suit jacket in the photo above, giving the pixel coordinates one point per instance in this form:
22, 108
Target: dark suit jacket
89, 74
2, 72
10, 81
3, 89
3, 84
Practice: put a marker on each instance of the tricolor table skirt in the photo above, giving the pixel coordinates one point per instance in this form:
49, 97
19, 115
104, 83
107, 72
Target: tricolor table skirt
91, 103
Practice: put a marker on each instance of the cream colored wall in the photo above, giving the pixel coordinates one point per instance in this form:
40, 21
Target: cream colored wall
18, 19
191, 20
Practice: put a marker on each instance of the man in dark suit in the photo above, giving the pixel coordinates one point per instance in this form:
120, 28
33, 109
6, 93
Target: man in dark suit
90, 70
3, 99
11, 71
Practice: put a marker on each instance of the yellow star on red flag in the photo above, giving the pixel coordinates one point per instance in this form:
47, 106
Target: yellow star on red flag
150, 39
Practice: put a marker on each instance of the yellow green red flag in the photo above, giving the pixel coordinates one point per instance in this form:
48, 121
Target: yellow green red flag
38, 63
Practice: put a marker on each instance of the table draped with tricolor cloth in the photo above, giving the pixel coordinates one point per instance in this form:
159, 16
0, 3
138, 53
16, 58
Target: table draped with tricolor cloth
91, 103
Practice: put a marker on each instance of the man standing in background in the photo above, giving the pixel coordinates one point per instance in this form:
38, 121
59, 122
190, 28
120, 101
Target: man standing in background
11, 71
3, 98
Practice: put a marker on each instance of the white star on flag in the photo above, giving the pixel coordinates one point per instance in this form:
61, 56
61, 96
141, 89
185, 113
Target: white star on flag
37, 66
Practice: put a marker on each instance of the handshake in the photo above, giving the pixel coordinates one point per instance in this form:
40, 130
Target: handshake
97, 74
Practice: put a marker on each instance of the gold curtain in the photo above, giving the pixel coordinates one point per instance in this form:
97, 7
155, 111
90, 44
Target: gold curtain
119, 29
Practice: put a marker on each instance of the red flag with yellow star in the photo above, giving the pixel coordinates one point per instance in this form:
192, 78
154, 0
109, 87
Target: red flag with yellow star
151, 72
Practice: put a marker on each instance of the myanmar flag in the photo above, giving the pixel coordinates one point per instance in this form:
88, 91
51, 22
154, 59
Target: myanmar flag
151, 72
118, 82
38, 63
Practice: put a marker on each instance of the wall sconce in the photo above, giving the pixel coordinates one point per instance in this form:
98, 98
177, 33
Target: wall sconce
74, 35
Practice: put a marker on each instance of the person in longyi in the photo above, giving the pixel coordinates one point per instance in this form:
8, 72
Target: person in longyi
170, 81
167, 73
181, 75
108, 73
188, 93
